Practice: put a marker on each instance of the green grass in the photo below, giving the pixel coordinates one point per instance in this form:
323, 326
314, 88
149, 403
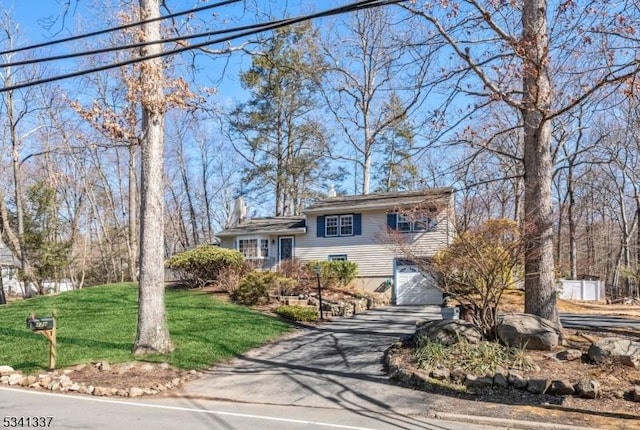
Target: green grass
99, 323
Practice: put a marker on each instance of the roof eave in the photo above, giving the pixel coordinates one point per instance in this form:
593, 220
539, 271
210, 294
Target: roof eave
291, 231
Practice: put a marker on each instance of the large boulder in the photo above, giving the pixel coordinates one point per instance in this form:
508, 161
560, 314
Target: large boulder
625, 350
448, 332
528, 331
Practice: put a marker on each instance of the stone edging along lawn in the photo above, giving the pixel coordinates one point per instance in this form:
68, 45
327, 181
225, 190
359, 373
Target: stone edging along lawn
61, 380
408, 375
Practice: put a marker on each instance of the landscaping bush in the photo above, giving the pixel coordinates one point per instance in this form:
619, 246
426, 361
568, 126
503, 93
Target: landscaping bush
335, 273
479, 359
478, 267
202, 265
297, 313
255, 287
304, 276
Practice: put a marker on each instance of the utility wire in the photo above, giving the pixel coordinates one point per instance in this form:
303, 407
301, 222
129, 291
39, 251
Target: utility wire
136, 45
352, 7
120, 27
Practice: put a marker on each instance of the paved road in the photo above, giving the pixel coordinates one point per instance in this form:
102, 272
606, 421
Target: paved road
88, 413
598, 322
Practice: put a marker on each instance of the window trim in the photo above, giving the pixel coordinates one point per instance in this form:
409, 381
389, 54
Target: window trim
337, 257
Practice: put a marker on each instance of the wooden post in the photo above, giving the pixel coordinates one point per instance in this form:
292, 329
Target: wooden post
51, 336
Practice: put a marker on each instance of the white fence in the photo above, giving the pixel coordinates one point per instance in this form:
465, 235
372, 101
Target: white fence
581, 290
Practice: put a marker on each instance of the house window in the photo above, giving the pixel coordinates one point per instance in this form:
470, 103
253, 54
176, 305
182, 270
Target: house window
264, 248
331, 226
254, 248
248, 247
420, 222
339, 225
404, 223
339, 257
346, 225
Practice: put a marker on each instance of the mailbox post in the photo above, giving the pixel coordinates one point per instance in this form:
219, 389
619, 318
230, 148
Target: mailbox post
318, 272
47, 327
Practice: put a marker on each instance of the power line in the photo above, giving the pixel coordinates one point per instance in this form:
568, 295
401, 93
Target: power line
120, 27
258, 28
133, 45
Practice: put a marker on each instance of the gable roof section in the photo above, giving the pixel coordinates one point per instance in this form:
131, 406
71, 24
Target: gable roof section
268, 225
401, 199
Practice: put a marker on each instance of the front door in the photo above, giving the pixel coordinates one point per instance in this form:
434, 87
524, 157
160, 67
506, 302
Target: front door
285, 246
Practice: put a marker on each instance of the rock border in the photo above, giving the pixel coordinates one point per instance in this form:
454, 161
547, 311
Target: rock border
60, 381
412, 377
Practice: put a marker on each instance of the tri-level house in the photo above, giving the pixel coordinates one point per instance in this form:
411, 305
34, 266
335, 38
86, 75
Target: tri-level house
383, 233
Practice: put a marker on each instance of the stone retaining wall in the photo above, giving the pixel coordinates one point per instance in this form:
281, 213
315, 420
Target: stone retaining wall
409, 376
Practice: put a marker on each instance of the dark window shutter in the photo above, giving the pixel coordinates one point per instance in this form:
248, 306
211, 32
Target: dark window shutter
357, 224
392, 221
320, 226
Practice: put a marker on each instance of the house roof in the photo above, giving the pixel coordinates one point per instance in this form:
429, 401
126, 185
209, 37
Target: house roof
268, 225
7, 259
398, 199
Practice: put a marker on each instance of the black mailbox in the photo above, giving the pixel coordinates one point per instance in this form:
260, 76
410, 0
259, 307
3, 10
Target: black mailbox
40, 323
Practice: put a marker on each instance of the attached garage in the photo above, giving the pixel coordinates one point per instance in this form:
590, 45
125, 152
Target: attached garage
411, 286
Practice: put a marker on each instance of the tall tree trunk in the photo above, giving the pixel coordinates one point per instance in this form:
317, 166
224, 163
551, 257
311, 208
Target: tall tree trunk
573, 247
133, 215
540, 293
152, 334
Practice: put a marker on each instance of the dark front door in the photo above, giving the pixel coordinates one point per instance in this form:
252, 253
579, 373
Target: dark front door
285, 245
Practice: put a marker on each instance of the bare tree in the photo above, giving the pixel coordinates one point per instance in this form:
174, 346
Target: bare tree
511, 59
364, 67
152, 335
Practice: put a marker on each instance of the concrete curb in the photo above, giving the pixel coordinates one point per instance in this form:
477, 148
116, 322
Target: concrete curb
506, 423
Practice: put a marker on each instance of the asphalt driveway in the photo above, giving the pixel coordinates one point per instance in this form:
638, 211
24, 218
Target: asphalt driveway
338, 364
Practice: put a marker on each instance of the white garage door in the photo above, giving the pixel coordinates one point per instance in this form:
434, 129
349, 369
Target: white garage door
413, 287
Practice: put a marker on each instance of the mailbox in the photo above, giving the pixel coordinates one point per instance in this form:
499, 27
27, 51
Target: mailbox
40, 323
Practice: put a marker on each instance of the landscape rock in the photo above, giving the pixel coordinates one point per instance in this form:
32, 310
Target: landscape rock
440, 374
627, 351
135, 392
500, 380
569, 355
6, 370
635, 394
4, 379
448, 332
104, 366
528, 331
458, 374
516, 380
31, 379
538, 386
15, 379
472, 381
588, 389
101, 391
561, 388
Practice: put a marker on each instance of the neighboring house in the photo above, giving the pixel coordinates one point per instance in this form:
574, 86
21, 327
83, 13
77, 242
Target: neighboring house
380, 232
9, 265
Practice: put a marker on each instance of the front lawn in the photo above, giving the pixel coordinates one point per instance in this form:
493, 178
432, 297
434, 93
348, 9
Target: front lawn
99, 324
